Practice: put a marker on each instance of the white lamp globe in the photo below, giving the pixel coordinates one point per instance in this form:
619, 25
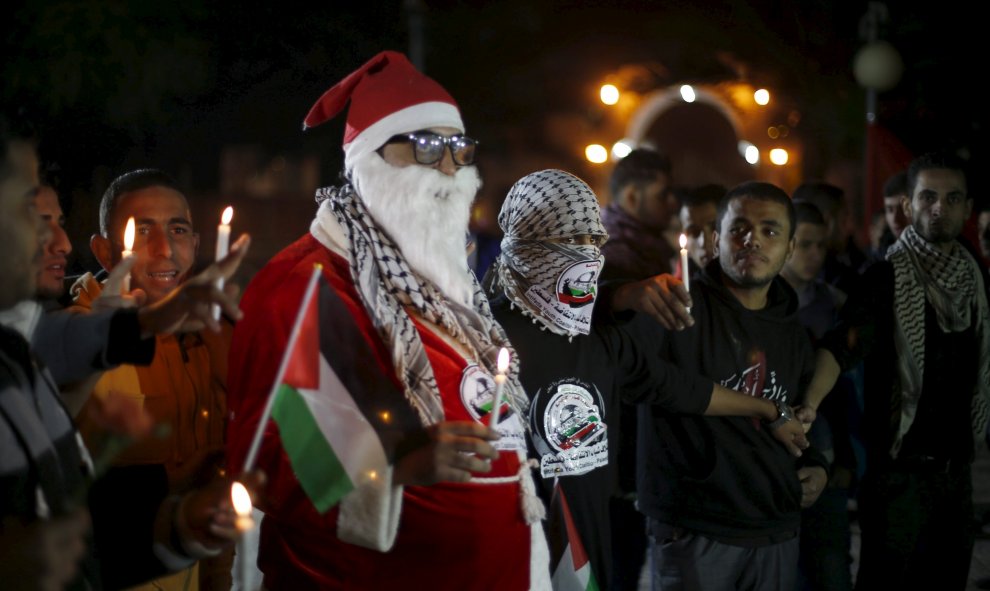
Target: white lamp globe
878, 66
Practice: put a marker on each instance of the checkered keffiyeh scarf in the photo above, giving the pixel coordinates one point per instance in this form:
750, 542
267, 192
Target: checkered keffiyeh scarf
953, 285
388, 287
542, 206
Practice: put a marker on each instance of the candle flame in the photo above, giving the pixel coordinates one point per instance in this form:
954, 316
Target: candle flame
228, 214
129, 234
241, 499
683, 241
503, 360
386, 416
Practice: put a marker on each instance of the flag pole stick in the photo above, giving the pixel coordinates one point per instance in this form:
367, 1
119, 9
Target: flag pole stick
293, 337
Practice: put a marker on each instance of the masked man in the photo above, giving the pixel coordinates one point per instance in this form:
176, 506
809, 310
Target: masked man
543, 289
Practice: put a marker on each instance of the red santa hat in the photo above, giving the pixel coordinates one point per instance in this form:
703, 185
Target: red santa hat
388, 96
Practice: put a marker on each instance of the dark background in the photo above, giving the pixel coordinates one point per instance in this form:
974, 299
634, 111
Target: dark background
215, 92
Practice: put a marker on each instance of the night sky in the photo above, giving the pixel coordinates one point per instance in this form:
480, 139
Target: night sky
112, 86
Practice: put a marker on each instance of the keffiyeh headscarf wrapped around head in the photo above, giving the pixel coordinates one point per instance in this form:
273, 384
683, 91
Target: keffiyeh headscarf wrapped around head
553, 282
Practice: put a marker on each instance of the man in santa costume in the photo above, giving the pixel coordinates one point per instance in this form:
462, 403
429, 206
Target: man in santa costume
458, 511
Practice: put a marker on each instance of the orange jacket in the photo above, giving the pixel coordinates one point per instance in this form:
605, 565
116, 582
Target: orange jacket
184, 388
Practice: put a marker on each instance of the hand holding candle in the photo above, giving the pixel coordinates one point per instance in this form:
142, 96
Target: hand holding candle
685, 269
129, 231
223, 247
503, 365
241, 500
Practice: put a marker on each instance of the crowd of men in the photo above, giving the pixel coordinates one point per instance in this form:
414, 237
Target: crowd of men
719, 431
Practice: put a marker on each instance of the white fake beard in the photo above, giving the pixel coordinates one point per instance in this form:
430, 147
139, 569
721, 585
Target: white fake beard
426, 213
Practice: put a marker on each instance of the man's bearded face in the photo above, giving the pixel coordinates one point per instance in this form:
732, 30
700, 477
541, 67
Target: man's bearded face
426, 213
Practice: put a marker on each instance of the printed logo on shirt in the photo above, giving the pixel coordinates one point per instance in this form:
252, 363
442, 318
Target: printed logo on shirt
578, 284
478, 394
757, 381
571, 435
571, 302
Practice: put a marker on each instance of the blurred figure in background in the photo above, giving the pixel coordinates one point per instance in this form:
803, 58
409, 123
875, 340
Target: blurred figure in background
51, 279
698, 211
922, 327
896, 204
843, 259
887, 226
824, 562
637, 220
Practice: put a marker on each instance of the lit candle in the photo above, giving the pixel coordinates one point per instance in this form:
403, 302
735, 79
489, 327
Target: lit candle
128, 251
685, 274
223, 233
223, 247
503, 364
685, 270
242, 506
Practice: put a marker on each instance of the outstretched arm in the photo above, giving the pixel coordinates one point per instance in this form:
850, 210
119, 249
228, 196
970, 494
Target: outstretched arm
661, 297
650, 378
726, 402
190, 307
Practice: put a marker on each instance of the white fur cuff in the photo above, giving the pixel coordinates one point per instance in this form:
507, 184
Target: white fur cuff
369, 515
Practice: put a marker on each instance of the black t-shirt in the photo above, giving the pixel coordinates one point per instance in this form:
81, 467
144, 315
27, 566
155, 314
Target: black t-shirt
942, 426
866, 333
575, 386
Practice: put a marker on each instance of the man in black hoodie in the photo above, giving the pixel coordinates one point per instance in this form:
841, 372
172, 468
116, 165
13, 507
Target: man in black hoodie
722, 499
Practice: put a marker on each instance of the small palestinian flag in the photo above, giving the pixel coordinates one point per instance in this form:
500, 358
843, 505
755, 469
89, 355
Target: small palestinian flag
484, 409
571, 566
575, 297
339, 417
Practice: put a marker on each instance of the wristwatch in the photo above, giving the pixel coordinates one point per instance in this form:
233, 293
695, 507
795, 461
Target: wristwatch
784, 414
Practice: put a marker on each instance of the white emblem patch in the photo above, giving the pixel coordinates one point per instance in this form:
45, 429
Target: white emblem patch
571, 305
477, 392
573, 437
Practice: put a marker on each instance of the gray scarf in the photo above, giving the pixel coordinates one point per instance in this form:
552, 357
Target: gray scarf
387, 286
953, 285
555, 284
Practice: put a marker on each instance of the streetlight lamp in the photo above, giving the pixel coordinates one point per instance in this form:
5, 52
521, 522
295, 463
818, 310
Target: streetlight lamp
877, 67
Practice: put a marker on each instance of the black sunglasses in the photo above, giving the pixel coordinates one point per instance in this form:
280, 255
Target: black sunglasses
428, 147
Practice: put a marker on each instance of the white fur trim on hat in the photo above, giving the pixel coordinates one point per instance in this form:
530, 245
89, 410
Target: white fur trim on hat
414, 118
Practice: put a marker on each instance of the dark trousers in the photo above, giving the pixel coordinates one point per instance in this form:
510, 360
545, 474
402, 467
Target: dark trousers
628, 544
917, 528
825, 560
686, 561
